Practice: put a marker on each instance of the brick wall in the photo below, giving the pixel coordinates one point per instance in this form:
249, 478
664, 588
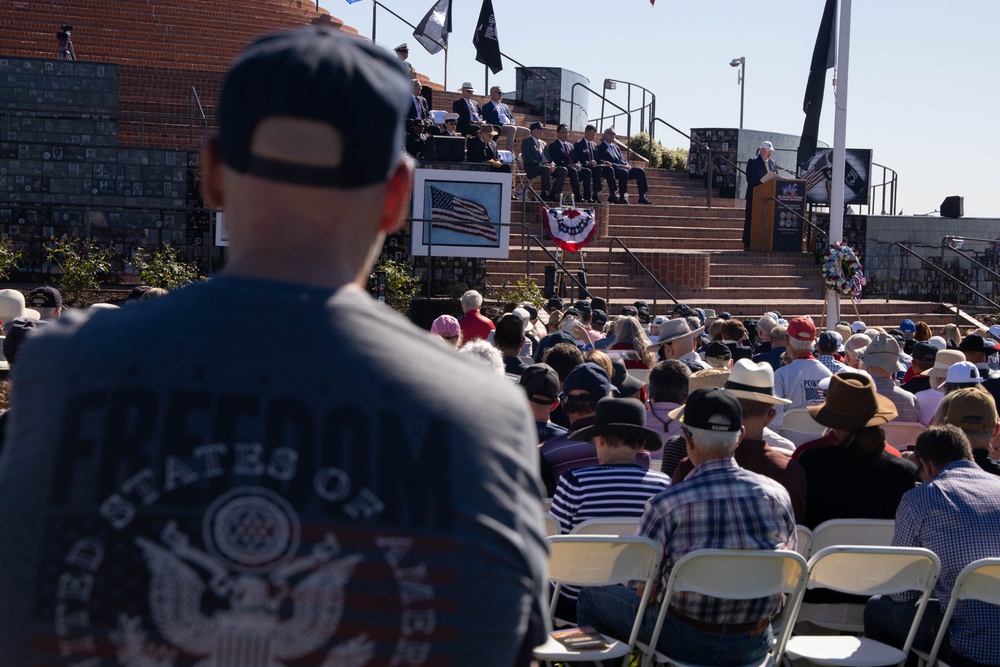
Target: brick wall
678, 269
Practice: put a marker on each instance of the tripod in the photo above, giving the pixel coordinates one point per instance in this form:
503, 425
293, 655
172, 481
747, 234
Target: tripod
66, 51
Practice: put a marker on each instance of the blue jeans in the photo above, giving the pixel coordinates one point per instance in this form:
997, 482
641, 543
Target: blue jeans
611, 610
889, 622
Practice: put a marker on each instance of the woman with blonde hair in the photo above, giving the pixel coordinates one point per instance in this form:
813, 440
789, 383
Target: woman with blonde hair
629, 335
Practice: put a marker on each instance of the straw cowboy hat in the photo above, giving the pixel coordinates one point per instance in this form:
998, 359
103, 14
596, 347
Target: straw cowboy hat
852, 403
672, 330
753, 382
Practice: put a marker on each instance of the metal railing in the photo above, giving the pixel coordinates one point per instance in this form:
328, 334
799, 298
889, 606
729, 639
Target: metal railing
958, 282
572, 100
711, 162
638, 262
194, 99
641, 110
948, 243
888, 187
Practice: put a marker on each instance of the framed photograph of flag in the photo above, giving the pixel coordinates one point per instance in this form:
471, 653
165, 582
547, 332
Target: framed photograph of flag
460, 214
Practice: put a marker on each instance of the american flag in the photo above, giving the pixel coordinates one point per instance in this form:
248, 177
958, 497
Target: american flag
857, 284
453, 213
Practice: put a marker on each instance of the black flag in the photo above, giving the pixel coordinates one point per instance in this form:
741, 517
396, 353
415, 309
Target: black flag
487, 45
432, 31
822, 60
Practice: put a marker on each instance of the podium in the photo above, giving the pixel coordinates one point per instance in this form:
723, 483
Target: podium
772, 227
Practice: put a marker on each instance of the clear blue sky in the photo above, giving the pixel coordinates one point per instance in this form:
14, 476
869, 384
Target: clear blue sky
923, 87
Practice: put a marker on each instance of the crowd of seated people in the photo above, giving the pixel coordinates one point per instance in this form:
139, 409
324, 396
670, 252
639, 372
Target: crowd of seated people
848, 379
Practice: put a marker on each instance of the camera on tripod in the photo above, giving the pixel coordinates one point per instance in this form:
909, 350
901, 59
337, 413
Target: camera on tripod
64, 33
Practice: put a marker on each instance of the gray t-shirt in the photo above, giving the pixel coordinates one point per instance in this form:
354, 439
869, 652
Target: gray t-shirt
262, 474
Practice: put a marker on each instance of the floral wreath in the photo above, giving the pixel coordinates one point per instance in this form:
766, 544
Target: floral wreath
842, 271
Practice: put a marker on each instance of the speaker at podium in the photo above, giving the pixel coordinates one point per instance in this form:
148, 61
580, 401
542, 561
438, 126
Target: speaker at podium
774, 226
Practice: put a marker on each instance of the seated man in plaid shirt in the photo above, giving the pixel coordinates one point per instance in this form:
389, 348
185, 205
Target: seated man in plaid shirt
956, 514
718, 506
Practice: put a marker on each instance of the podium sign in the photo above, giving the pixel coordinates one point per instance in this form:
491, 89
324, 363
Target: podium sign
775, 227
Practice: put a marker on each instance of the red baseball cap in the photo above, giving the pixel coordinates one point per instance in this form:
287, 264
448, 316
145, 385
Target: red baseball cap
802, 328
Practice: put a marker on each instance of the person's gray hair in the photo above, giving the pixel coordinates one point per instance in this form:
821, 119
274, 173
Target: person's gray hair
797, 347
766, 323
480, 349
715, 442
471, 300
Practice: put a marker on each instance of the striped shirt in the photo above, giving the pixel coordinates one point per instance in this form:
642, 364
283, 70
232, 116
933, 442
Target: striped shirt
720, 506
957, 516
603, 492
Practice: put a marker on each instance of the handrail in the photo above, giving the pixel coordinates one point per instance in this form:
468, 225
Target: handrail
642, 109
893, 183
611, 243
572, 97
957, 281
193, 96
711, 162
946, 243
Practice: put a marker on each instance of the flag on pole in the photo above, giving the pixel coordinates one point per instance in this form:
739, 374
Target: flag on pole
822, 60
432, 31
485, 39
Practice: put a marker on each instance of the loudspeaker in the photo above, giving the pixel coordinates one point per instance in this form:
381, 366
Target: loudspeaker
581, 289
549, 290
953, 207
444, 149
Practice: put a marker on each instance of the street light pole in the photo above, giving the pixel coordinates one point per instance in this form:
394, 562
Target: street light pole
741, 62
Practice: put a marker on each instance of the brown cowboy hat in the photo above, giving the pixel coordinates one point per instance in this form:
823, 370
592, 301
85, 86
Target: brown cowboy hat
852, 403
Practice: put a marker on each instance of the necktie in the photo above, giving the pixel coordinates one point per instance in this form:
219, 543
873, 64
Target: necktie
473, 113
416, 103
590, 150
569, 157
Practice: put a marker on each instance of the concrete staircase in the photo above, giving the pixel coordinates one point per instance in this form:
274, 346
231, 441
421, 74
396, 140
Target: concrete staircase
695, 252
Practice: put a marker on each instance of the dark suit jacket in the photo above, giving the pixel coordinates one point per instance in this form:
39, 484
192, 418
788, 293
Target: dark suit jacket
584, 149
478, 150
531, 156
460, 107
492, 115
756, 169
424, 109
604, 154
558, 154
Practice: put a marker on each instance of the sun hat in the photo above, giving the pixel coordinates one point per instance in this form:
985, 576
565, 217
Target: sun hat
626, 385
971, 409
882, 352
976, 343
754, 382
943, 360
711, 409
623, 417
446, 325
852, 403
962, 372
672, 330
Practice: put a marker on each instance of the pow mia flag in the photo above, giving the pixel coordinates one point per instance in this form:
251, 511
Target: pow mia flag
485, 40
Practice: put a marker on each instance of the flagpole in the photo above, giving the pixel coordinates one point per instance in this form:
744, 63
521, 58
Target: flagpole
839, 146
446, 68
374, 7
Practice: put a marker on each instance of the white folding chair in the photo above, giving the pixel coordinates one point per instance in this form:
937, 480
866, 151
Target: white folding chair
799, 426
641, 374
866, 571
599, 560
552, 526
902, 435
844, 616
805, 541
979, 580
616, 526
735, 575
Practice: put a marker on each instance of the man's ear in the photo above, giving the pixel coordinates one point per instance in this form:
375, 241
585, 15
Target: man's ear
211, 174
397, 198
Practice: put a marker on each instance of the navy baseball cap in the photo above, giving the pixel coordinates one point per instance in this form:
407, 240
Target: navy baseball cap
588, 377
319, 74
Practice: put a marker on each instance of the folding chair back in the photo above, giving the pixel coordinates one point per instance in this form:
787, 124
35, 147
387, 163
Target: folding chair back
552, 526
902, 435
801, 421
979, 580
736, 575
599, 560
862, 570
859, 532
805, 540
618, 526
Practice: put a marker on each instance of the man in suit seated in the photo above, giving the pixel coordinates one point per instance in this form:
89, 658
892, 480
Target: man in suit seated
562, 154
467, 109
482, 148
608, 151
498, 113
586, 153
536, 163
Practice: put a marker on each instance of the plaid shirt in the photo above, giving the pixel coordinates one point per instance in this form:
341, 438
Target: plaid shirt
957, 516
830, 362
720, 506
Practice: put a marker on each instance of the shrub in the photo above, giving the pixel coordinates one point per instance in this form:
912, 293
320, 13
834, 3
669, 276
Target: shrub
8, 258
400, 285
674, 159
640, 143
163, 269
80, 262
521, 290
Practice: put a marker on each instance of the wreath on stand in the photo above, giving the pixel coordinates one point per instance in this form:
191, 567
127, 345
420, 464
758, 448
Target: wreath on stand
843, 272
